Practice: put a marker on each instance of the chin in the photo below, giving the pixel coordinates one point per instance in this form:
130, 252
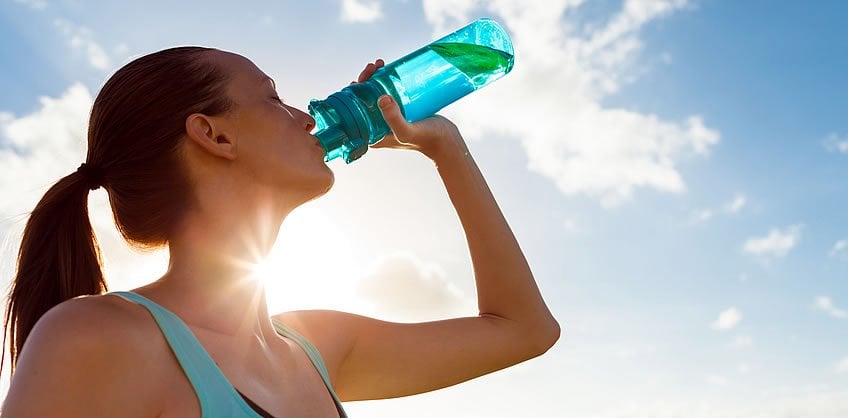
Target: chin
329, 184
322, 187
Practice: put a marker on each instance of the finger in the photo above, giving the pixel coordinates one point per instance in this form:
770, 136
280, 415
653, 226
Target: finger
367, 72
394, 117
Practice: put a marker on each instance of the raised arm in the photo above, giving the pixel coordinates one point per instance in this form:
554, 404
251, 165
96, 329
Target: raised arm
373, 359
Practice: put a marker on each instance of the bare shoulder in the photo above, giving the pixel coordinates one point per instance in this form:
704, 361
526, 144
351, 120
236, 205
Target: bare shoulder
99, 322
100, 314
75, 359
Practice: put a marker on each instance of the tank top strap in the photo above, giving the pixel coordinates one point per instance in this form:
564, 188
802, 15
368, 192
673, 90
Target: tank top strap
314, 356
217, 396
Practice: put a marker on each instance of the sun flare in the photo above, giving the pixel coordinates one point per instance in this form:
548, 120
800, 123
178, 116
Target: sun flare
309, 266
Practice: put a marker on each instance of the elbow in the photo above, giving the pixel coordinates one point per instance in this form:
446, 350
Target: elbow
551, 336
544, 338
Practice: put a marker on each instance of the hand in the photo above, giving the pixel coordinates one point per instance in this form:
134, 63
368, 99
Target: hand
431, 136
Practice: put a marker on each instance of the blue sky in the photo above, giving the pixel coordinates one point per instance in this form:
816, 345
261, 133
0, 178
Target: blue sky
673, 169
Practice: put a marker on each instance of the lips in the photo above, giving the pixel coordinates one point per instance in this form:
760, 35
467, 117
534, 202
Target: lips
320, 148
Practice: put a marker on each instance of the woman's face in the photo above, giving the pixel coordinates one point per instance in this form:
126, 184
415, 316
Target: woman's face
274, 146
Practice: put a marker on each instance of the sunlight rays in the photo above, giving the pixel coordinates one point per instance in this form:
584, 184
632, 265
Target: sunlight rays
311, 266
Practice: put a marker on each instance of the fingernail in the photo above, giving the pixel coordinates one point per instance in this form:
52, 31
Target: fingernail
385, 100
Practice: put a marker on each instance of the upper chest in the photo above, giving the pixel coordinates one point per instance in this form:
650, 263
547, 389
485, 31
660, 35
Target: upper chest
281, 379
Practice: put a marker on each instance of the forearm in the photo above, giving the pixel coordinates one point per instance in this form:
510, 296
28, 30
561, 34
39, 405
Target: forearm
506, 287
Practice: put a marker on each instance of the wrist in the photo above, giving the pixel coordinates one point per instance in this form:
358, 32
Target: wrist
443, 153
448, 146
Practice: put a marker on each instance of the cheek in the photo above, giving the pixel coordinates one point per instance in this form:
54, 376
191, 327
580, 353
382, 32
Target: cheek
276, 139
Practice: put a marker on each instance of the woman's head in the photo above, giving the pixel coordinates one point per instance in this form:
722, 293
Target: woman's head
170, 122
163, 126
260, 147
134, 137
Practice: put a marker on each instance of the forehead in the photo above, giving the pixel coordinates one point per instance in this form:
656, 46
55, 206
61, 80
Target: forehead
243, 72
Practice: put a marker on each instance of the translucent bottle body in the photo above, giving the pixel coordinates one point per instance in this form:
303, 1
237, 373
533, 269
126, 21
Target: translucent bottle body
422, 83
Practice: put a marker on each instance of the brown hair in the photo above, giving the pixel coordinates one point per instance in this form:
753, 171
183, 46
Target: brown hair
134, 146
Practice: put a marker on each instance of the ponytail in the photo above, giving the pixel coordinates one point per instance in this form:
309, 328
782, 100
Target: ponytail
135, 141
59, 259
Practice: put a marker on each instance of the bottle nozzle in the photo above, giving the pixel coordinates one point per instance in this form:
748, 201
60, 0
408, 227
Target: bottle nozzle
331, 139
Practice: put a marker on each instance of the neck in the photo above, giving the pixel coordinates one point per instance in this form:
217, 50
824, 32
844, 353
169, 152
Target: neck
210, 282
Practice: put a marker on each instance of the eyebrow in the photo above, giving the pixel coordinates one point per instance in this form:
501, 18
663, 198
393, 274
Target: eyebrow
274, 84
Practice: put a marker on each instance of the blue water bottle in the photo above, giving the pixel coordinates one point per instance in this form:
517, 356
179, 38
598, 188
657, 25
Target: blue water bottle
421, 82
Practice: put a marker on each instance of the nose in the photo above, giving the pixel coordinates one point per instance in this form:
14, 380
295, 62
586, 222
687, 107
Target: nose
305, 119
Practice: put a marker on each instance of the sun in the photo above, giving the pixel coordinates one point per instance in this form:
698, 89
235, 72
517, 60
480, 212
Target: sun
311, 266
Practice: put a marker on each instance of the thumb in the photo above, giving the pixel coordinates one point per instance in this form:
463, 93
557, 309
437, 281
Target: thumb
393, 116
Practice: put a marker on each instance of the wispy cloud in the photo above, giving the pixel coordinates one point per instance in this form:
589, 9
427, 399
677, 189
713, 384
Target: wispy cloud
777, 243
836, 143
35, 4
702, 215
739, 201
361, 11
825, 304
838, 248
564, 70
405, 288
733, 206
727, 319
80, 37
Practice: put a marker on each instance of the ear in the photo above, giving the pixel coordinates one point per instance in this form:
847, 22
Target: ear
207, 132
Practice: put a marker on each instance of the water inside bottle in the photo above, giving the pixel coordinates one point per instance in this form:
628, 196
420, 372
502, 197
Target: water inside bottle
441, 73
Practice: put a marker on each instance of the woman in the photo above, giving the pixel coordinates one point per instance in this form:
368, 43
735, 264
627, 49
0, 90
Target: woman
197, 152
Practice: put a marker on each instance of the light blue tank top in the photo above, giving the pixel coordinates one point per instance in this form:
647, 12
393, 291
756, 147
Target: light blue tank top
218, 398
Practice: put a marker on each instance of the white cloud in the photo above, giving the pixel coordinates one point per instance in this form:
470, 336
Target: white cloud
743, 368
777, 243
835, 143
736, 204
404, 288
824, 303
838, 247
842, 365
562, 73
80, 37
727, 319
46, 145
34, 4
361, 11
